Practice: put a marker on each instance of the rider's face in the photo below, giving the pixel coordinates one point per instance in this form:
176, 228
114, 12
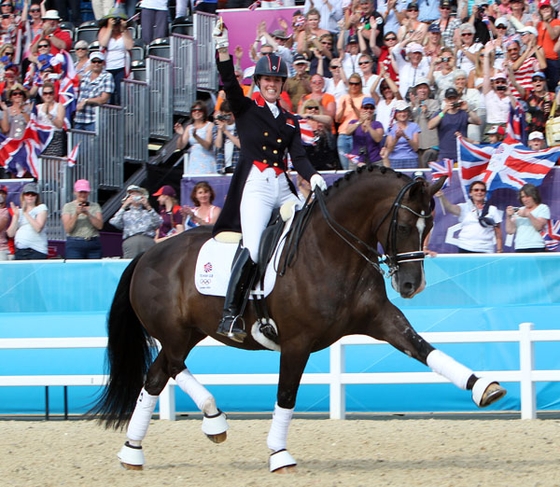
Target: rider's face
271, 87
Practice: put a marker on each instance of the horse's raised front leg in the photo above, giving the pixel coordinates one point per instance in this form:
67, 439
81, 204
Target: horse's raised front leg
293, 359
395, 329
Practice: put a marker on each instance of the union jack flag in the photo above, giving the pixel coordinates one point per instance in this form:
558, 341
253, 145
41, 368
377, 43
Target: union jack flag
73, 156
503, 165
551, 234
443, 168
22, 155
254, 5
516, 127
208, 267
354, 158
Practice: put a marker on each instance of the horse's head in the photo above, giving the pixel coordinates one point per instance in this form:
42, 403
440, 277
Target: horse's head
409, 223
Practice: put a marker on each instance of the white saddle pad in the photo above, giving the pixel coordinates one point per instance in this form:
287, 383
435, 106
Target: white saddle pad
213, 265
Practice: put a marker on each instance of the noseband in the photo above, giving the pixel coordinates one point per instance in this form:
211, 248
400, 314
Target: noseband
393, 259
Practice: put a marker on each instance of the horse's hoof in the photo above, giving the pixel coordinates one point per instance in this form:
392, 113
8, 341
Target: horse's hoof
131, 457
486, 392
218, 438
286, 470
282, 462
215, 427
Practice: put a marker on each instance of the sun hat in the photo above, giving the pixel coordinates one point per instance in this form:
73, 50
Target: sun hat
165, 190
528, 29
82, 185
137, 189
51, 15
280, 34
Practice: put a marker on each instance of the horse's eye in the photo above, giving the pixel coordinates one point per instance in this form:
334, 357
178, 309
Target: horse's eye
403, 230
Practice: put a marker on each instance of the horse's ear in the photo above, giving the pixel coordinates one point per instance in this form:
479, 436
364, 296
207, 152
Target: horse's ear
435, 187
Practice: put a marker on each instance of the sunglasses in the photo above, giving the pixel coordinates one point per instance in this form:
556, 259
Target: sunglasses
81, 49
537, 80
354, 83
412, 10
512, 50
465, 34
34, 10
48, 92
312, 108
390, 38
6, 4
502, 27
326, 43
368, 107
361, 63
479, 190
29, 194
96, 61
445, 59
196, 110
9, 53
445, 8
45, 46
335, 67
17, 93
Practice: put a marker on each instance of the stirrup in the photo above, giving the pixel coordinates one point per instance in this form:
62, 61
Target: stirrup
230, 330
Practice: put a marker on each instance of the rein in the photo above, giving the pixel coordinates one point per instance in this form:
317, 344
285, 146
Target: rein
354, 242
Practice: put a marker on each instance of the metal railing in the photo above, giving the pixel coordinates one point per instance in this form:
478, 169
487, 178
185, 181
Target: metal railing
159, 78
135, 98
55, 192
207, 76
185, 60
110, 146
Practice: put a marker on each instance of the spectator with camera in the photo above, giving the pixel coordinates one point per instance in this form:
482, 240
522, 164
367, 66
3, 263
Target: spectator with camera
138, 221
82, 221
226, 143
480, 222
451, 122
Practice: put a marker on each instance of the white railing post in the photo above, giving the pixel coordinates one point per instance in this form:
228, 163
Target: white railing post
167, 402
337, 388
526, 365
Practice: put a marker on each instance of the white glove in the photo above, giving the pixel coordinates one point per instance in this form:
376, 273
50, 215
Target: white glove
317, 181
220, 34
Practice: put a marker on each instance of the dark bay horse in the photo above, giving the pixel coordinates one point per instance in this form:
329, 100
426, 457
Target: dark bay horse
334, 288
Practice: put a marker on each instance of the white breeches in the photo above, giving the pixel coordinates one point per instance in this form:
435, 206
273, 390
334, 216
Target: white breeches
263, 193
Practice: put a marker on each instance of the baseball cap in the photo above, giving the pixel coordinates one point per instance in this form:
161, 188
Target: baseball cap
165, 190
434, 28
30, 188
499, 75
421, 81
496, 130
451, 93
368, 100
412, 5
544, 3
353, 39
82, 185
3, 189
414, 47
300, 59
280, 34
51, 15
536, 135
445, 3
97, 55
501, 21
538, 74
528, 29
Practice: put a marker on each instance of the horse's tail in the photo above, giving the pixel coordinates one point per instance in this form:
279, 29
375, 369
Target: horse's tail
128, 357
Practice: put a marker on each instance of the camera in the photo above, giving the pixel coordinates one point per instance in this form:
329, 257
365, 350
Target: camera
515, 209
117, 20
456, 104
6, 16
501, 88
222, 118
445, 59
85, 204
137, 198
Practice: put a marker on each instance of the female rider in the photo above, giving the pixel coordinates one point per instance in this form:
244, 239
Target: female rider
260, 183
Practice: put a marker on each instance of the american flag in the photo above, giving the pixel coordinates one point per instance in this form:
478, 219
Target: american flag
503, 165
443, 168
551, 234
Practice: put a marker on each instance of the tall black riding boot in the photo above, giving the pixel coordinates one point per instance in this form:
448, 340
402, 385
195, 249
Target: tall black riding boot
240, 284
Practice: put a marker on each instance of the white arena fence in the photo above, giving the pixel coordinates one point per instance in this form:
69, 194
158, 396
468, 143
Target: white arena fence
337, 379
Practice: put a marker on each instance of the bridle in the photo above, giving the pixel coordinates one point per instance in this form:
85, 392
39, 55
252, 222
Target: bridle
391, 259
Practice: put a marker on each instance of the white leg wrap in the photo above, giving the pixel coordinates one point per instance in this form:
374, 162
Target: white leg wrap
198, 393
449, 368
141, 416
278, 434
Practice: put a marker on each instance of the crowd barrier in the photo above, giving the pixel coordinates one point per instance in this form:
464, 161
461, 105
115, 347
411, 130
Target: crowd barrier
471, 308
